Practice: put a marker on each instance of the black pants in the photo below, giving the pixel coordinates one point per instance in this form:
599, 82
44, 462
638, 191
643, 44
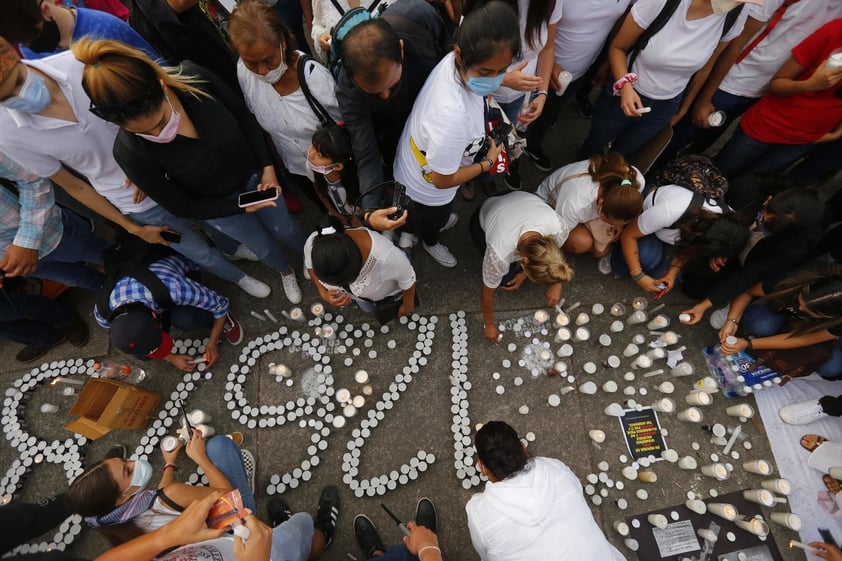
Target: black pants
428, 220
832, 405
22, 522
32, 320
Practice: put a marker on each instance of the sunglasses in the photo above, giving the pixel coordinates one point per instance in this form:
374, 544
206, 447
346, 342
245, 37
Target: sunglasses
141, 104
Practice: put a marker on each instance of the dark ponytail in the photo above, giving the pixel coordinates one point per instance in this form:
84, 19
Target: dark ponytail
336, 258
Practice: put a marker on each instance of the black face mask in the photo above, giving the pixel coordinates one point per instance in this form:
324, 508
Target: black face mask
48, 40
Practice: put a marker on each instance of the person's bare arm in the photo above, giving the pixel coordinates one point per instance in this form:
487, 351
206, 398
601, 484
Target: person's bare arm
696, 83
786, 84
87, 195
466, 173
629, 32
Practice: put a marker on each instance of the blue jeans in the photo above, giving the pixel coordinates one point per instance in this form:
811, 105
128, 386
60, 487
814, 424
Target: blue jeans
226, 456
260, 230
192, 245
685, 132
32, 320
292, 540
68, 262
654, 254
609, 123
761, 321
820, 165
396, 553
743, 155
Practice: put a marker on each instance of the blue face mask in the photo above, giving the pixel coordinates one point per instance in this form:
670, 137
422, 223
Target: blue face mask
485, 85
33, 97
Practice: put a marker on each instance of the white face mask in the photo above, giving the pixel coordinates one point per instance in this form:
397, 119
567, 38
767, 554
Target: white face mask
140, 477
275, 74
721, 7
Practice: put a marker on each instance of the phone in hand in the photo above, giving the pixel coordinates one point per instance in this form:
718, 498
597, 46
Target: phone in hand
171, 236
399, 200
250, 198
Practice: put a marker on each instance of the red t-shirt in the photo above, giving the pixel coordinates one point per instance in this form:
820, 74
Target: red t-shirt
805, 117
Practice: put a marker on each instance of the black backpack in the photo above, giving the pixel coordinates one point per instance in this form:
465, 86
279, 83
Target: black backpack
130, 257
696, 173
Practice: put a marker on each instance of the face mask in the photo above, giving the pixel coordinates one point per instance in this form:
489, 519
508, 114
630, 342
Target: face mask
33, 97
170, 130
275, 74
485, 85
721, 7
141, 475
324, 170
48, 40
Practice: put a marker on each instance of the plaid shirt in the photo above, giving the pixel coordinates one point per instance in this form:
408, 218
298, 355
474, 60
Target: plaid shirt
172, 271
30, 219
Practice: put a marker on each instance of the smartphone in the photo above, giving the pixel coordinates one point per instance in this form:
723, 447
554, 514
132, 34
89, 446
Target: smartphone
186, 418
250, 198
399, 200
171, 236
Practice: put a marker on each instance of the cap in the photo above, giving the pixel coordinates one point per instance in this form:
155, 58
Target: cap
137, 332
8, 59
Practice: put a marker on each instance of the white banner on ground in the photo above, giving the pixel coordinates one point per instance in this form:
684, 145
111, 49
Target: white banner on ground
810, 498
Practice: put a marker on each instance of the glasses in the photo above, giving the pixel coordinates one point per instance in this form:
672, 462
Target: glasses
139, 105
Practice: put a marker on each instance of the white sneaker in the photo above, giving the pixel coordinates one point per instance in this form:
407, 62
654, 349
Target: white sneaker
407, 240
291, 288
243, 253
451, 222
719, 317
306, 273
254, 287
604, 265
802, 413
441, 254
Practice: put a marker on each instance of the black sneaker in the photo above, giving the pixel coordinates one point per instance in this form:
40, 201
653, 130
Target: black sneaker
367, 537
327, 513
32, 353
77, 332
279, 511
512, 177
541, 160
425, 514
118, 451
583, 102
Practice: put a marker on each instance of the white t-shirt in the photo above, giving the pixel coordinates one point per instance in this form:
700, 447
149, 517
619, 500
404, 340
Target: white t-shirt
447, 123
669, 205
750, 77
504, 220
42, 144
155, 516
575, 197
289, 119
537, 514
530, 55
386, 272
679, 49
582, 31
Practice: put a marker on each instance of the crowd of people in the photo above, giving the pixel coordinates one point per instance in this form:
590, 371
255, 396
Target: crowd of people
190, 126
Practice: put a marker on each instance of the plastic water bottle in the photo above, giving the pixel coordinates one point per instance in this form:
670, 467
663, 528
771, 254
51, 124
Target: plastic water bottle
564, 79
524, 110
118, 371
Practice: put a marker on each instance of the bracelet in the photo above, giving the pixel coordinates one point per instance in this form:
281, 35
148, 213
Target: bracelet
366, 216
638, 276
734, 321
749, 346
173, 466
629, 78
425, 548
540, 92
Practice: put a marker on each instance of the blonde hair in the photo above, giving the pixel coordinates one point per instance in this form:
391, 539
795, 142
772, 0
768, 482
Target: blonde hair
117, 76
621, 198
545, 263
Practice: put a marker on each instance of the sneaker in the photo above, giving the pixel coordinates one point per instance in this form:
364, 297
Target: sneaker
441, 254
451, 222
802, 413
32, 353
77, 332
541, 160
468, 191
250, 467
425, 514
407, 240
306, 273
583, 102
327, 513
512, 180
719, 317
291, 287
243, 253
254, 287
604, 265
367, 537
279, 511
118, 451
231, 330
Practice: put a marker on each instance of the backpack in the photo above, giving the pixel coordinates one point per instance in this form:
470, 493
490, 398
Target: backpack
696, 173
661, 20
131, 256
